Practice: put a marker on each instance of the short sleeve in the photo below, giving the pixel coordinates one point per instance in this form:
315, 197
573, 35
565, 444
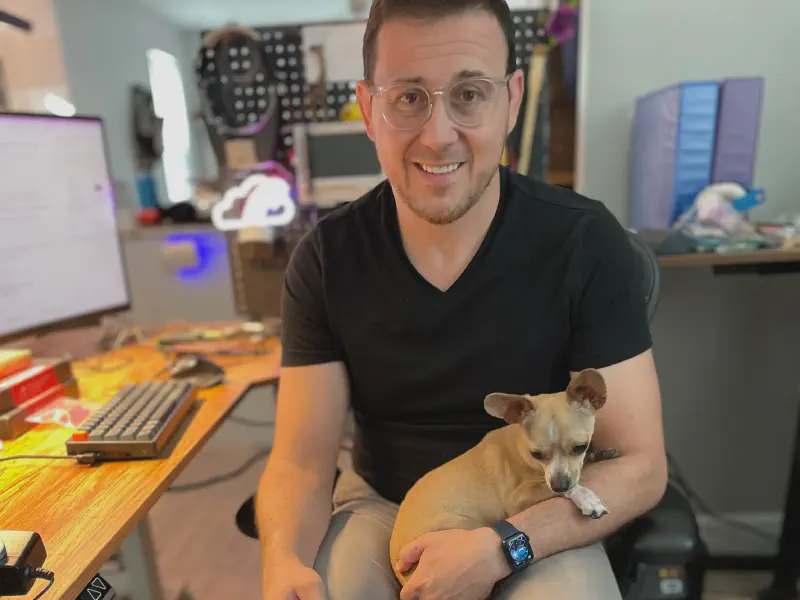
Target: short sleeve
306, 335
609, 311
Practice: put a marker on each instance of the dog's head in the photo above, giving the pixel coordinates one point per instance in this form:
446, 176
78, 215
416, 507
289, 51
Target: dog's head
558, 427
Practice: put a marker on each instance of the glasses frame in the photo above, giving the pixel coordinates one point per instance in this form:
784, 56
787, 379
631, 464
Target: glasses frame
441, 91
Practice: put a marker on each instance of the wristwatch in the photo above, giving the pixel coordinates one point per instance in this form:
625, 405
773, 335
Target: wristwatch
516, 545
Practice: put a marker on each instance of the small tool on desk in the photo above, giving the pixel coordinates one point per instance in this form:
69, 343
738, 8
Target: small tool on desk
197, 369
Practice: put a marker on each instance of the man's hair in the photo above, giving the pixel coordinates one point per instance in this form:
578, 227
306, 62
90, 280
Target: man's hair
383, 11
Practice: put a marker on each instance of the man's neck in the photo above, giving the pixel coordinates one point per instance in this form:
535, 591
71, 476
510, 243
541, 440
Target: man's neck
441, 252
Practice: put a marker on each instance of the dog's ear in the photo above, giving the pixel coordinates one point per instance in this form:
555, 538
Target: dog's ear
588, 388
512, 408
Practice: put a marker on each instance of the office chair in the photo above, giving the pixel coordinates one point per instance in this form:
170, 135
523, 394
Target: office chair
660, 554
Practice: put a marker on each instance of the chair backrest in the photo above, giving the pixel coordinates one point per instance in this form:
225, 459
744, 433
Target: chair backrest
650, 272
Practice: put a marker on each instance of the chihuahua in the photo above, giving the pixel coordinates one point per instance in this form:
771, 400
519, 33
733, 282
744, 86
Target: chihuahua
537, 456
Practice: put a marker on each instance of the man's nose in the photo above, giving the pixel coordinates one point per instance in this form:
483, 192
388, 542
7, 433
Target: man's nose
439, 131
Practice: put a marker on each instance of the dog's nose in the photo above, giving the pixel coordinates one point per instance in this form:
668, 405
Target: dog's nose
559, 483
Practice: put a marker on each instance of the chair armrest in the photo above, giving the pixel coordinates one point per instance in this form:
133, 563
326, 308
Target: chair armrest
668, 532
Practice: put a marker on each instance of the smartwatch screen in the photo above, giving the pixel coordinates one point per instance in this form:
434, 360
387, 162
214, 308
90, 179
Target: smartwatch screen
519, 549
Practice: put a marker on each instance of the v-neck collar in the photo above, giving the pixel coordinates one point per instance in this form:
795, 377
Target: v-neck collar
392, 225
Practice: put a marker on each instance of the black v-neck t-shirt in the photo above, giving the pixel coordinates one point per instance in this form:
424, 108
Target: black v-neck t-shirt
553, 288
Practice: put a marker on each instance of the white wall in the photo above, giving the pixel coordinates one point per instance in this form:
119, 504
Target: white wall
726, 347
104, 46
636, 47
31, 61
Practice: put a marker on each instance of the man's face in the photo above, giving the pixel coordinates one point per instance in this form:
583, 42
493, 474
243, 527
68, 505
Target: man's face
435, 54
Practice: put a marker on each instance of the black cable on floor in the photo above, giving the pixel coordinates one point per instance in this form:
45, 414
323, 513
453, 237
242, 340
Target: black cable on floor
678, 477
190, 487
249, 422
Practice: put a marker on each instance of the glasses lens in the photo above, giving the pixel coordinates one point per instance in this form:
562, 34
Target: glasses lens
404, 106
469, 101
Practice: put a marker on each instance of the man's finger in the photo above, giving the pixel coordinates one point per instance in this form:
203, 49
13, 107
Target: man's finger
313, 591
409, 591
410, 553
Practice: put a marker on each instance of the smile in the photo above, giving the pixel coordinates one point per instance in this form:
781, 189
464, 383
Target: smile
439, 169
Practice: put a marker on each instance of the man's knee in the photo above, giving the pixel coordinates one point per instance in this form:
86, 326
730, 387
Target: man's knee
353, 559
580, 573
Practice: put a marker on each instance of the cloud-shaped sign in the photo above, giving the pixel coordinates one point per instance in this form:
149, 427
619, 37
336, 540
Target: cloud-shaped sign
259, 201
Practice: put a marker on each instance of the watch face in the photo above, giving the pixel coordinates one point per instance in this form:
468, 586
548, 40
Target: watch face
519, 549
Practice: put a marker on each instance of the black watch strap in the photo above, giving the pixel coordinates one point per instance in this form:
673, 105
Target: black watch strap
505, 529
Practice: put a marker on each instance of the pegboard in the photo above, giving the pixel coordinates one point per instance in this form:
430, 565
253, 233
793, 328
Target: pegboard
285, 76
528, 32
282, 75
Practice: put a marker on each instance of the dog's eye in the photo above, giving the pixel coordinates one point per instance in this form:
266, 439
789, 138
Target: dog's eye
580, 449
537, 455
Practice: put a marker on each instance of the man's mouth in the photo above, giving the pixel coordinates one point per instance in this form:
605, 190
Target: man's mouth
441, 169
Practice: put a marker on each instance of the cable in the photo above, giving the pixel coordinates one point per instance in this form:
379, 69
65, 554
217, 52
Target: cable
190, 487
41, 574
86, 458
46, 589
249, 422
679, 478
35, 457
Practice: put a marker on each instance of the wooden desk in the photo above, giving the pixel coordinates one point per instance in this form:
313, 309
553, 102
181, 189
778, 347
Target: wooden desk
714, 259
85, 513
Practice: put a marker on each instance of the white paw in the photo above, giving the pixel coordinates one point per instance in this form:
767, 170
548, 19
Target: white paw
587, 502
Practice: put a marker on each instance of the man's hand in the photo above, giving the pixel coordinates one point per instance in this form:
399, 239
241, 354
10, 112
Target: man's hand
292, 581
453, 564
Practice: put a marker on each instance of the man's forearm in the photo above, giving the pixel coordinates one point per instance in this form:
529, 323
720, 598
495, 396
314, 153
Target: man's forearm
628, 486
293, 510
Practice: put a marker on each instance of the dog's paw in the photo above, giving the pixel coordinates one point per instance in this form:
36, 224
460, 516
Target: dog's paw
587, 502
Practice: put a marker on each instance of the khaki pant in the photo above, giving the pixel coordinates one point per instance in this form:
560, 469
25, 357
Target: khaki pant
354, 557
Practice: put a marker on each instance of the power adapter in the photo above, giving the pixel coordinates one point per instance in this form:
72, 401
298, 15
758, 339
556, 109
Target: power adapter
22, 555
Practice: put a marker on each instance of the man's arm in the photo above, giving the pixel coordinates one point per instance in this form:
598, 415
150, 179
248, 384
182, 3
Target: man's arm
293, 502
629, 485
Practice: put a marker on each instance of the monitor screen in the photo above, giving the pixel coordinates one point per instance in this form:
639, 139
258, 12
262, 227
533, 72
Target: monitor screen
60, 254
343, 155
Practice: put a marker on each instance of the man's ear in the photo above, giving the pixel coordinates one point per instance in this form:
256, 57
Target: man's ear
512, 408
364, 97
516, 91
588, 388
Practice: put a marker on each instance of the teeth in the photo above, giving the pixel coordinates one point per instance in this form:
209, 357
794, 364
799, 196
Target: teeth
439, 169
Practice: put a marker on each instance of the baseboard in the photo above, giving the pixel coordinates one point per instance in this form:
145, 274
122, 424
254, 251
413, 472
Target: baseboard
724, 538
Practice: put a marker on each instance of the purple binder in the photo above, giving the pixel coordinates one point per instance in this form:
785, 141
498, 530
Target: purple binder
738, 130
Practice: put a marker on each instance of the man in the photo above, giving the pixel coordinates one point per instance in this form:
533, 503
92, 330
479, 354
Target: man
452, 280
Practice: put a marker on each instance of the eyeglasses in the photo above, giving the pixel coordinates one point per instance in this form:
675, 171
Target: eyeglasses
408, 106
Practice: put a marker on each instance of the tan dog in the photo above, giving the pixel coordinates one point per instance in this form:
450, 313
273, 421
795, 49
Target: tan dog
537, 456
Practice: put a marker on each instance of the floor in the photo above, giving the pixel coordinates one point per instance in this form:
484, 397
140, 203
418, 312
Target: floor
200, 549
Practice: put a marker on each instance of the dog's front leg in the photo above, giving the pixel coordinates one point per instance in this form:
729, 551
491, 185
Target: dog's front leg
526, 496
587, 502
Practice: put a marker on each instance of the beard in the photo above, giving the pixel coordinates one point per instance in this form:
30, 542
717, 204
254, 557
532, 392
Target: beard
444, 211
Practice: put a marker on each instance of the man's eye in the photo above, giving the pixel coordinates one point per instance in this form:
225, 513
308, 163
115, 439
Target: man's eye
409, 98
580, 449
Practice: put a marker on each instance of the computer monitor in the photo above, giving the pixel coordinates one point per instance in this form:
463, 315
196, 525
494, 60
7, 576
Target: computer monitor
61, 260
335, 162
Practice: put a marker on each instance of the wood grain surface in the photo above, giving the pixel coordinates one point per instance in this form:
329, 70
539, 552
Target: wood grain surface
84, 513
714, 259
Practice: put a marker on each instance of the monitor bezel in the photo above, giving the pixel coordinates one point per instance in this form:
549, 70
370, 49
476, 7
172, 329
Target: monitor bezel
90, 317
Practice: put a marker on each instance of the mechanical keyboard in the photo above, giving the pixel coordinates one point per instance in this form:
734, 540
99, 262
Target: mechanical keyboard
136, 423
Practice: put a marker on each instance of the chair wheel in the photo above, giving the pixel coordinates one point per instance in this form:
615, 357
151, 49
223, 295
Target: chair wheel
246, 518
